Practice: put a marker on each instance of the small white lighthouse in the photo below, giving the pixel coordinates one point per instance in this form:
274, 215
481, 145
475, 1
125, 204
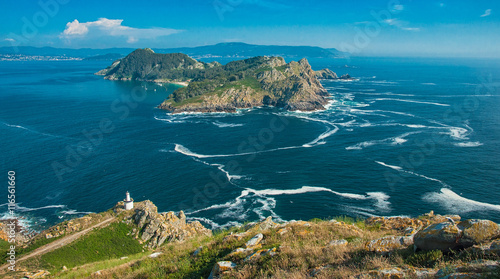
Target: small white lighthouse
128, 202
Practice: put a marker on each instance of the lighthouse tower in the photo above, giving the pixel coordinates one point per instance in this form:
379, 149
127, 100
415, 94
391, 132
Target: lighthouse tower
128, 202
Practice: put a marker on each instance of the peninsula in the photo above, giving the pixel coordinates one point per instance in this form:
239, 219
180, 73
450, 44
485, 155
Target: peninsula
213, 87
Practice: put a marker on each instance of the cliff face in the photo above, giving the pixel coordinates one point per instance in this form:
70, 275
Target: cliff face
270, 82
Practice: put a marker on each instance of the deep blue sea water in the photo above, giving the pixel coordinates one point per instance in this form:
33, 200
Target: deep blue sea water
408, 136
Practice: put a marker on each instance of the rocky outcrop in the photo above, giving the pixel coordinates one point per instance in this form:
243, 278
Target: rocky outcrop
449, 235
476, 231
155, 228
326, 74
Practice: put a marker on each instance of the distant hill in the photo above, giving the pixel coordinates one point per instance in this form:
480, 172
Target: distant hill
242, 50
223, 50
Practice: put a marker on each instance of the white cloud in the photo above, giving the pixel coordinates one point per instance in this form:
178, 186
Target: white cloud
486, 13
403, 25
9, 40
131, 40
113, 27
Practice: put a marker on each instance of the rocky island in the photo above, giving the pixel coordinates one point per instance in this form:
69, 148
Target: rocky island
213, 87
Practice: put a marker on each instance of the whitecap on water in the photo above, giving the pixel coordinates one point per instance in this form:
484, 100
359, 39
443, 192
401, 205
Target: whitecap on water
411, 101
468, 144
456, 203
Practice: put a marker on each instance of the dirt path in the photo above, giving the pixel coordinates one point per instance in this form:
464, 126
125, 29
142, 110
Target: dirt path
58, 243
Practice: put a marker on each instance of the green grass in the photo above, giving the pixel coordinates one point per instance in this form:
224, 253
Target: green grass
251, 82
425, 258
101, 244
87, 270
4, 248
281, 68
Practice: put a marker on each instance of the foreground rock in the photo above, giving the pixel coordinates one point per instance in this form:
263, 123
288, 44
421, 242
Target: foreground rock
448, 235
155, 228
389, 243
220, 268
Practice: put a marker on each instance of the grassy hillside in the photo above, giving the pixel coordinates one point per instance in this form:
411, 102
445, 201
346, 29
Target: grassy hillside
301, 250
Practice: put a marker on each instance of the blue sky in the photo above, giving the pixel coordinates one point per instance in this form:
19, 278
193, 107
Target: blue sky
371, 28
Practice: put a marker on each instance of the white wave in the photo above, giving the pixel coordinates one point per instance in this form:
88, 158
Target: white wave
411, 101
207, 221
74, 212
226, 125
389, 166
330, 104
382, 200
412, 173
183, 150
366, 112
33, 131
360, 211
367, 90
363, 111
321, 137
386, 94
458, 133
26, 209
229, 176
16, 126
319, 140
170, 120
389, 141
468, 144
303, 190
382, 82
458, 204
238, 202
428, 83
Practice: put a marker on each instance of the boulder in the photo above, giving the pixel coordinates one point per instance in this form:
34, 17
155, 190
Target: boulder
265, 225
220, 268
241, 251
237, 236
389, 243
254, 241
476, 231
441, 236
447, 236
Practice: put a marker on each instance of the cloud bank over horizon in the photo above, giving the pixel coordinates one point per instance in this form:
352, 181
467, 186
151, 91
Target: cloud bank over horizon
105, 28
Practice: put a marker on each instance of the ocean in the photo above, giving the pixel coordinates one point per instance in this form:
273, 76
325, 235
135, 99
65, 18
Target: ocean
407, 136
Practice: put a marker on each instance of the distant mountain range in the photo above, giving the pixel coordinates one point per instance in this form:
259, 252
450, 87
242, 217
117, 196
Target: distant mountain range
222, 50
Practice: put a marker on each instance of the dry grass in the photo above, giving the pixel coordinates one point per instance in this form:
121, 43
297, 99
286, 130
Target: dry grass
303, 251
